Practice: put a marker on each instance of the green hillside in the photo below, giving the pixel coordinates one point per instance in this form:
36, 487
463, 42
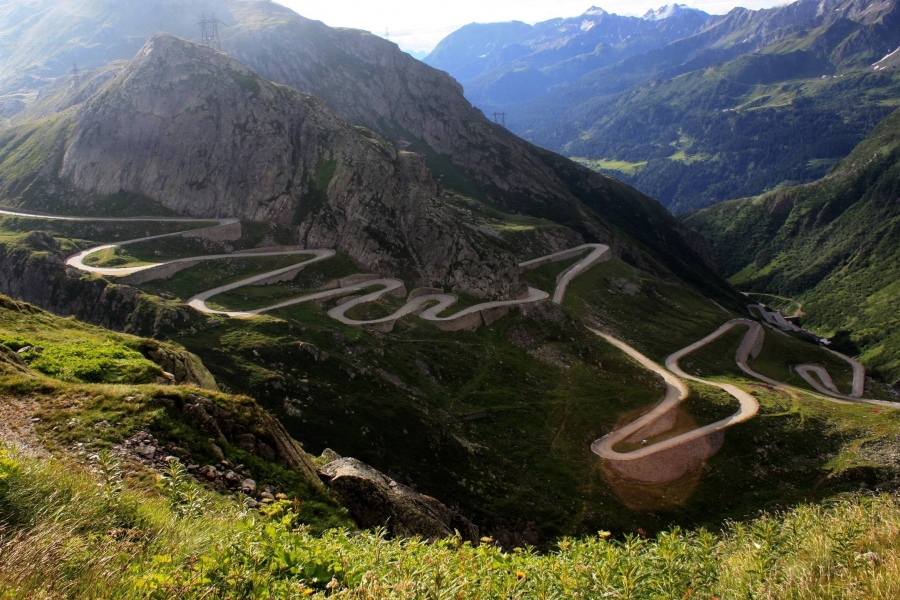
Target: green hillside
97, 522
148, 544
497, 421
833, 245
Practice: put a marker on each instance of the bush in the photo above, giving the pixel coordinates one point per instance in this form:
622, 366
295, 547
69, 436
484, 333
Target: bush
94, 362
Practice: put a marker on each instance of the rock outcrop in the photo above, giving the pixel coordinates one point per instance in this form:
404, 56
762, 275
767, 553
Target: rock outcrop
201, 134
375, 500
182, 365
33, 270
247, 427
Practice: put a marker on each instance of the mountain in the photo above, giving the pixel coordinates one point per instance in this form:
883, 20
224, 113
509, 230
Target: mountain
335, 137
369, 82
504, 63
834, 245
388, 164
199, 134
749, 101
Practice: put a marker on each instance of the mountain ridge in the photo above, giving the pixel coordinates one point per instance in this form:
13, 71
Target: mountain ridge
286, 159
831, 244
665, 112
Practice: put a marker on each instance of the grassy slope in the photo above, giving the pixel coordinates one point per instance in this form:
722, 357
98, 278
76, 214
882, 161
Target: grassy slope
658, 317
309, 279
91, 389
499, 421
147, 543
151, 541
833, 245
453, 412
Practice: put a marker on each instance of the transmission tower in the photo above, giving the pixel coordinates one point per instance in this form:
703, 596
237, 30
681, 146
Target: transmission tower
500, 118
76, 74
209, 32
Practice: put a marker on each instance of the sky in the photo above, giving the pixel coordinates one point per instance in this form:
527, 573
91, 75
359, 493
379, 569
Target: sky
418, 26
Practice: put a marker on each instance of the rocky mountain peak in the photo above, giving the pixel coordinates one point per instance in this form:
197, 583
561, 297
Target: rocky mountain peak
201, 134
669, 10
595, 11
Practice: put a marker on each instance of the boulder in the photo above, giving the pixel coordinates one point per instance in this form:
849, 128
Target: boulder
375, 500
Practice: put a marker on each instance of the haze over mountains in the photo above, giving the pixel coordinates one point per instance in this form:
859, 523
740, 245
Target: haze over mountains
691, 110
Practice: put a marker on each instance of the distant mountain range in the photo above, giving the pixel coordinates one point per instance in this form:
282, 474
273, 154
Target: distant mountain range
692, 109
501, 63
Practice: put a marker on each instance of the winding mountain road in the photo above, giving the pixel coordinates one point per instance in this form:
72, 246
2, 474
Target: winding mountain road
677, 391
429, 304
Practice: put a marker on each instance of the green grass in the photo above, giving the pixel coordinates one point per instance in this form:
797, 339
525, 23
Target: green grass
93, 362
606, 164
832, 245
128, 541
253, 235
658, 317
716, 359
688, 159
144, 253
383, 307
705, 405
73, 351
544, 277
781, 353
94, 232
473, 418
310, 279
215, 273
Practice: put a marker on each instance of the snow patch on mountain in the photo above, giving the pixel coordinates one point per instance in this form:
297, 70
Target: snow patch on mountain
664, 12
595, 11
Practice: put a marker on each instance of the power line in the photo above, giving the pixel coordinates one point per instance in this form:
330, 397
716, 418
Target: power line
209, 32
500, 118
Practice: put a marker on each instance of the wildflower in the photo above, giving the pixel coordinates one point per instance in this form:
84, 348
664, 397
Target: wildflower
308, 592
520, 575
604, 534
487, 540
281, 496
641, 532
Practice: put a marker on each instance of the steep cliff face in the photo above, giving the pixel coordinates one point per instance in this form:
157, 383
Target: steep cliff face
370, 82
202, 135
